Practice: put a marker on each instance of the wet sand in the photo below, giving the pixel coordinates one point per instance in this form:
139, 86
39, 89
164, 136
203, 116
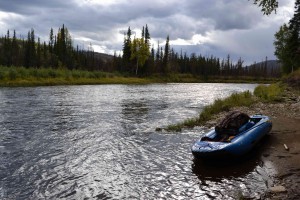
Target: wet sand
286, 131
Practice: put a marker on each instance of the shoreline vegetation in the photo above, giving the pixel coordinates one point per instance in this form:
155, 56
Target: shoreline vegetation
22, 77
274, 93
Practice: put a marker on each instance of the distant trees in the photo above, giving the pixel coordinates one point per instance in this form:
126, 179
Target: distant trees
139, 56
140, 60
58, 52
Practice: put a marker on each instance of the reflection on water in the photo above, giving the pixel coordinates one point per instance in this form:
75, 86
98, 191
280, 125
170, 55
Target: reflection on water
98, 142
244, 176
134, 112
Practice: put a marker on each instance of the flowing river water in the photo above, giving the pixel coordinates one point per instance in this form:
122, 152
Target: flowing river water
99, 142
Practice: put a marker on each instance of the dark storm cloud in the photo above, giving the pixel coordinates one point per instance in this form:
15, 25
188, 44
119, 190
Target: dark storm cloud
103, 22
225, 15
28, 7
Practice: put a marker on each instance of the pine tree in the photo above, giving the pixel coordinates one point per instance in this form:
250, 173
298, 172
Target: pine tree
7, 49
30, 53
166, 57
15, 50
51, 47
39, 54
147, 36
143, 32
127, 49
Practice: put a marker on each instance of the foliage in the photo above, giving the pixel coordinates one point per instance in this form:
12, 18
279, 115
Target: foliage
293, 79
139, 52
287, 42
271, 93
267, 6
59, 52
281, 47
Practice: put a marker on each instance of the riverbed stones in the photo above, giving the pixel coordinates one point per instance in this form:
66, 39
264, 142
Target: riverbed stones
277, 189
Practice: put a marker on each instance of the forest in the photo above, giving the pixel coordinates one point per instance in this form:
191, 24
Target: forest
138, 58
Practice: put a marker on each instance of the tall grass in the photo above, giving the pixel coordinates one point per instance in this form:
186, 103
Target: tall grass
20, 76
13, 73
262, 93
219, 105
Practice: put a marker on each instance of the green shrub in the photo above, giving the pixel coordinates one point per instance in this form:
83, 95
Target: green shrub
271, 93
2, 74
12, 74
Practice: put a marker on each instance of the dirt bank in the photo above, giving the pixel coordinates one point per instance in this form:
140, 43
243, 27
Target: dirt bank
286, 130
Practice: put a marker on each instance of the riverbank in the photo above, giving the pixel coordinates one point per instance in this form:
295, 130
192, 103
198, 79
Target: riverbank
285, 116
20, 76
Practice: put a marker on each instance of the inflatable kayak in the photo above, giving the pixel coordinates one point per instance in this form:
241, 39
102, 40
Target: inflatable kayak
211, 146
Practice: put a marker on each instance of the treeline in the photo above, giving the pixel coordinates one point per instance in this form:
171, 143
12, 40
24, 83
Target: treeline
57, 53
139, 57
164, 60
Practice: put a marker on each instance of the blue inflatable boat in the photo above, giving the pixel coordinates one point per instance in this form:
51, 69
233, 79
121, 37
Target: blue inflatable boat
210, 146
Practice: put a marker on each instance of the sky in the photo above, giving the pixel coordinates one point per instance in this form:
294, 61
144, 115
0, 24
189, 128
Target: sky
206, 27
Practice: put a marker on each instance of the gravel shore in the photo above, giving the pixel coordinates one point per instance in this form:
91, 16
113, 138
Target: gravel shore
283, 146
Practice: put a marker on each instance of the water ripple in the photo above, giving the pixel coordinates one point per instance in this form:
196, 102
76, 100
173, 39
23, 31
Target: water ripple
98, 142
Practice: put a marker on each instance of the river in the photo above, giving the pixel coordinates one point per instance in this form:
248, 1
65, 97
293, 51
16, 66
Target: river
99, 142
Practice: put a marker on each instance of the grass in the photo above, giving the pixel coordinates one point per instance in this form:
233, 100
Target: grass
219, 105
263, 93
20, 76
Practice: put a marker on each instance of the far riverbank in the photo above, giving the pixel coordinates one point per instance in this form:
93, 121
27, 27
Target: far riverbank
19, 76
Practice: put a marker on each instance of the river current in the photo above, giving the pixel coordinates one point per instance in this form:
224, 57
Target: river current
99, 142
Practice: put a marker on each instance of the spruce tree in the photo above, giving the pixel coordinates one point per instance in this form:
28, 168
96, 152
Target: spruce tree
166, 57
15, 50
147, 36
39, 54
127, 49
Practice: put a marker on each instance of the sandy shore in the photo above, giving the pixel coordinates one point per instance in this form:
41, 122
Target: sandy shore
286, 130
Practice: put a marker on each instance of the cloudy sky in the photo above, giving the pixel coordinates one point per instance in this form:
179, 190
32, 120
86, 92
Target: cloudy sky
207, 27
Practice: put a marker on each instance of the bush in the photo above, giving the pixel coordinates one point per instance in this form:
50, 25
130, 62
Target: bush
12, 74
271, 93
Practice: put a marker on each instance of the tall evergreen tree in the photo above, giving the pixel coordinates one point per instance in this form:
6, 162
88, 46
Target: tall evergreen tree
30, 53
147, 36
166, 57
39, 54
7, 49
143, 32
15, 50
127, 49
